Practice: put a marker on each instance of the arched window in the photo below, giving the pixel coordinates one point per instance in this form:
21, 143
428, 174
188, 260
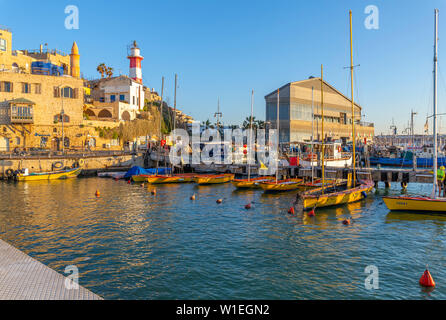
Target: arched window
15, 67
90, 113
67, 92
105, 114
58, 118
125, 116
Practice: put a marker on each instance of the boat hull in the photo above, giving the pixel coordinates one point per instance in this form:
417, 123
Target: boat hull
68, 174
250, 184
417, 204
284, 185
214, 179
311, 201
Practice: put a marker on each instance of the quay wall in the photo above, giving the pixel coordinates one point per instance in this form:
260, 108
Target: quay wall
91, 163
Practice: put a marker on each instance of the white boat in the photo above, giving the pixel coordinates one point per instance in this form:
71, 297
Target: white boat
114, 175
334, 157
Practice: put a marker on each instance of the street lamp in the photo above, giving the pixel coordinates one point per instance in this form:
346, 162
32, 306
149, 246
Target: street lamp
62, 114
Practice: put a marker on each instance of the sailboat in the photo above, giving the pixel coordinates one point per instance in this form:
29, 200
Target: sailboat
421, 203
280, 185
250, 183
339, 192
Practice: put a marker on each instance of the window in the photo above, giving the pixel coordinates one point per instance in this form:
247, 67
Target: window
26, 87
67, 92
17, 141
6, 86
37, 88
122, 97
101, 99
58, 118
21, 113
134, 101
2, 44
112, 98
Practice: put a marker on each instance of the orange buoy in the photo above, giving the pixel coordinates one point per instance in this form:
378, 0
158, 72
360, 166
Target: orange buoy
220, 201
97, 193
142, 186
154, 192
291, 210
346, 222
193, 197
248, 206
426, 280
311, 213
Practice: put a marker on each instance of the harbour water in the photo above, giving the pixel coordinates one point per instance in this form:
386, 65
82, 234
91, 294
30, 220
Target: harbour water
129, 244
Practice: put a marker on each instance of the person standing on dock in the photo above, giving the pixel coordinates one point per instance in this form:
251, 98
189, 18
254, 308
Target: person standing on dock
441, 180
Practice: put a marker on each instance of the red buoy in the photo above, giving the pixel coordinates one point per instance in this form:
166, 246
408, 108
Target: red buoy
291, 210
219, 201
129, 181
346, 222
311, 213
426, 280
248, 206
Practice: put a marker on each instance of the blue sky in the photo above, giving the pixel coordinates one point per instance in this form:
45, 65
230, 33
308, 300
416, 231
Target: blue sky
223, 49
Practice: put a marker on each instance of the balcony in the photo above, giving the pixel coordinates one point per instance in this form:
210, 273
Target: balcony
15, 118
21, 111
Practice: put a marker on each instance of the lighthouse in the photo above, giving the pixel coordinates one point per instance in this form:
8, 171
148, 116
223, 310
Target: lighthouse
135, 63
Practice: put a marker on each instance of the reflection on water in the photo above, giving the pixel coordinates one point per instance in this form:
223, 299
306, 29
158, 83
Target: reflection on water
129, 244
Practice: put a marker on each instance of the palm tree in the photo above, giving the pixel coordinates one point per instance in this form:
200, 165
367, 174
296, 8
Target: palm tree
102, 69
247, 123
207, 123
261, 124
109, 71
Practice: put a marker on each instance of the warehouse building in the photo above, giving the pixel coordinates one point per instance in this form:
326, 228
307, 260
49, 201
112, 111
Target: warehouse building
295, 112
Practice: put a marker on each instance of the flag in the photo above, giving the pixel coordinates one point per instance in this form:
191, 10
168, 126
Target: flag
262, 166
426, 126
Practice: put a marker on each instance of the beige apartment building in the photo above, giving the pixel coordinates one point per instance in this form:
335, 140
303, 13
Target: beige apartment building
300, 100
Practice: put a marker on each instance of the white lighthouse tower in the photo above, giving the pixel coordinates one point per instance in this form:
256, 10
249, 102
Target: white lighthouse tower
135, 63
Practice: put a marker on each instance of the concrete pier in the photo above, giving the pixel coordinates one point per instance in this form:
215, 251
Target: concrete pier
24, 278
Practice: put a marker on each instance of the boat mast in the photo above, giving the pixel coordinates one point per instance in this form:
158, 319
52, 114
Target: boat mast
353, 103
278, 135
323, 137
161, 119
312, 134
174, 118
250, 136
435, 104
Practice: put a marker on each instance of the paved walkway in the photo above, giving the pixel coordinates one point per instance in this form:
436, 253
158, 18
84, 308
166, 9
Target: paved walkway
24, 278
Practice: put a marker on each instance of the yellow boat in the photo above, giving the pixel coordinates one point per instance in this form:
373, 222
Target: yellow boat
420, 204
214, 179
281, 185
253, 183
335, 195
161, 179
63, 174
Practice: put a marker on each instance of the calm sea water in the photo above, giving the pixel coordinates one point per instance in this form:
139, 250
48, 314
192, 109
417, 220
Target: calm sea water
129, 244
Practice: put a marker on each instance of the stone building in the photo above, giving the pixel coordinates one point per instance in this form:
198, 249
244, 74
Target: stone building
41, 99
295, 113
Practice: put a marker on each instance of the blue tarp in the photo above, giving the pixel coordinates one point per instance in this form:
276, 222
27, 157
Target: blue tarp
139, 170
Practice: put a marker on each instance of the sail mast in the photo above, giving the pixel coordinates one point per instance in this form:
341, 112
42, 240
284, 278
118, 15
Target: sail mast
353, 103
435, 103
278, 135
323, 137
312, 134
250, 136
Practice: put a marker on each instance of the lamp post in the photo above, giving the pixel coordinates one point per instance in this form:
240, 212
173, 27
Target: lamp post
62, 114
